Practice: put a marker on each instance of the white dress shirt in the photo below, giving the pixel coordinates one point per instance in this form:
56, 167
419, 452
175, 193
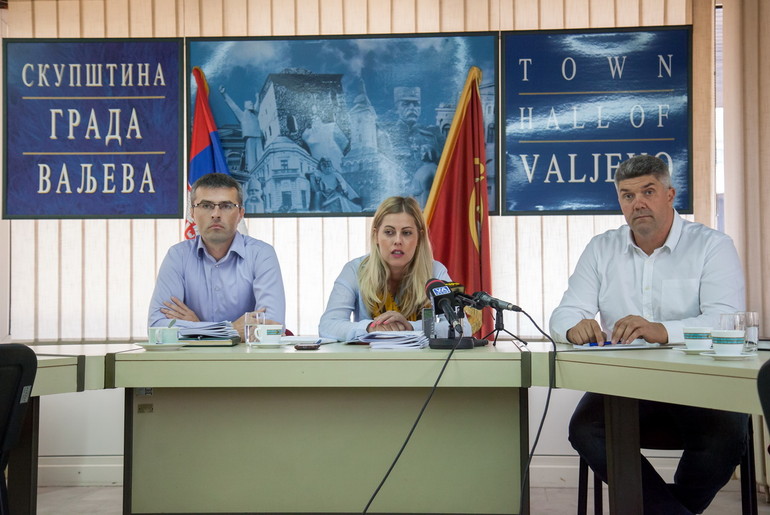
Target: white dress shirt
689, 281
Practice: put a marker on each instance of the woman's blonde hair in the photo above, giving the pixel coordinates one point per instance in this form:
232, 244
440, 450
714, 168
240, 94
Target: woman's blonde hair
373, 274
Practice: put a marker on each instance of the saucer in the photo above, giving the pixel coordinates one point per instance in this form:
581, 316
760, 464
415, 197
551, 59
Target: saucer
161, 346
271, 345
692, 351
729, 357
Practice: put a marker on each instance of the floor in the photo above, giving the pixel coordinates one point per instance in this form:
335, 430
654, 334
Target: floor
544, 501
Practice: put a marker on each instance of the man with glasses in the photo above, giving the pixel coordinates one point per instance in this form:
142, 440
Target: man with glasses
221, 274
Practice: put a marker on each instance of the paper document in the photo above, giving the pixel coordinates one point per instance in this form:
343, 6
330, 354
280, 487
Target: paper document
395, 339
636, 344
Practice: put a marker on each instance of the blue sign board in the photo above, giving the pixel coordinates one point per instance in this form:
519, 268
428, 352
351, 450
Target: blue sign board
577, 104
93, 128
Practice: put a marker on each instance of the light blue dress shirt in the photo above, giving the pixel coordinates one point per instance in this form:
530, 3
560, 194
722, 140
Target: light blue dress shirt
248, 277
689, 281
345, 300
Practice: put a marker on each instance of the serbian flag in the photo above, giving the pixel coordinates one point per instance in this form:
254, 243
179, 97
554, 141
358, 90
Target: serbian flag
206, 154
457, 211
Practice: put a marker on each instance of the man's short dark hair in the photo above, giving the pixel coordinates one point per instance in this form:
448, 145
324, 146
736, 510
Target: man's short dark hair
641, 165
217, 180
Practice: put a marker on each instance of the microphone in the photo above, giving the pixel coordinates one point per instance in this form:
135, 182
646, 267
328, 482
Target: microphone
485, 299
445, 301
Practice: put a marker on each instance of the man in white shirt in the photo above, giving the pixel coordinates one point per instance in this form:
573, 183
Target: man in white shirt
648, 280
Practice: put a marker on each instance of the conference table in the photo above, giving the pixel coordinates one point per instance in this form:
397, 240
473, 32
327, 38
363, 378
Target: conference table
229, 430
628, 375
238, 430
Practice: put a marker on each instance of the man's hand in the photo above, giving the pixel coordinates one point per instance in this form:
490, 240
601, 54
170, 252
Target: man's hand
585, 331
390, 321
178, 310
631, 327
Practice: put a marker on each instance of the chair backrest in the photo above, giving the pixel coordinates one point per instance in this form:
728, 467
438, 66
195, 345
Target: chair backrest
763, 388
18, 366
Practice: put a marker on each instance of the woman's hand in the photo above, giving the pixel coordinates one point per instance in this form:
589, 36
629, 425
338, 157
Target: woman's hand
390, 321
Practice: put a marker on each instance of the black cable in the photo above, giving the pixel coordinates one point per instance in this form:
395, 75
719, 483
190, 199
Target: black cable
414, 426
551, 385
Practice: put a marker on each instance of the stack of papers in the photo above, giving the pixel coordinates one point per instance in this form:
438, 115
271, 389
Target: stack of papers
395, 339
209, 332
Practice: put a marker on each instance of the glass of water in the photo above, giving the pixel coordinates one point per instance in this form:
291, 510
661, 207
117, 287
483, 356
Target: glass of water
251, 320
751, 319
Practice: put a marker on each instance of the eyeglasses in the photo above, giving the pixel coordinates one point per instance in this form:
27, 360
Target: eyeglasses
223, 206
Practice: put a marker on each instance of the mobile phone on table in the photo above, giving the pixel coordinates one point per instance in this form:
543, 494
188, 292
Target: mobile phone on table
307, 346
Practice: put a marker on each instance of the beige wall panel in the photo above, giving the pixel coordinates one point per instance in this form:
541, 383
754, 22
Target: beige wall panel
93, 22
427, 15
48, 284
379, 16
192, 18
703, 154
140, 18
69, 19
24, 279
235, 18
576, 13
284, 17
526, 15
653, 12
627, 13
551, 14
505, 15
119, 293
678, 12
71, 271
308, 21
114, 13
332, 18
477, 16
404, 16
354, 13
20, 19
602, 13
165, 14
44, 18
453, 15
212, 18
260, 18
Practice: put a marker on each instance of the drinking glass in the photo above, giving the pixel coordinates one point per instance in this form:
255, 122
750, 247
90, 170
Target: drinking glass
251, 320
751, 321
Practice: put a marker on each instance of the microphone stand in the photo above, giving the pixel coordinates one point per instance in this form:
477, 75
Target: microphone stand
451, 341
500, 326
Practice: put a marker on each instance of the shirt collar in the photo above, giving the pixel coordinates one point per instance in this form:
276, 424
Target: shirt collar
671, 241
238, 246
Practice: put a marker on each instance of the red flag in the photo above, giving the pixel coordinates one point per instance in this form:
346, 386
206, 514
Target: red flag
206, 154
457, 211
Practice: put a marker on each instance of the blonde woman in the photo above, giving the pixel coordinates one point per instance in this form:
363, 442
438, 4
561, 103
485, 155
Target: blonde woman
385, 290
